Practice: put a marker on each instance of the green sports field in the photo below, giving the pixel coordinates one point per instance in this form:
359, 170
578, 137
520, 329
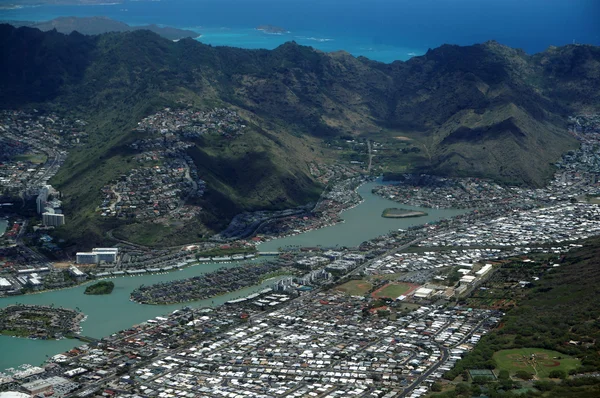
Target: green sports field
38, 158
355, 287
537, 361
393, 290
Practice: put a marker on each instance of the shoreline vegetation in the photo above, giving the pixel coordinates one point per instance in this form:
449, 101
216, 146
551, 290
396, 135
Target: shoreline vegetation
102, 287
393, 212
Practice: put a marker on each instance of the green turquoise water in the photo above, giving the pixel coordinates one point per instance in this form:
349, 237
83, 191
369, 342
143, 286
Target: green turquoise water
106, 314
361, 223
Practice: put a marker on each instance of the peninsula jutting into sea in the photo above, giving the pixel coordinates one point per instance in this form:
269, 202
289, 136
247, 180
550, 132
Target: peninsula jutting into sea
192, 220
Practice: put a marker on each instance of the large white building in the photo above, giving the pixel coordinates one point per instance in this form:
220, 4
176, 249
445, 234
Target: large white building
87, 258
97, 255
108, 255
51, 219
5, 284
42, 198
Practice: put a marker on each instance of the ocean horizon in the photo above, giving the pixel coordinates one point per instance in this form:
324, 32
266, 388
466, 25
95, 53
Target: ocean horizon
382, 30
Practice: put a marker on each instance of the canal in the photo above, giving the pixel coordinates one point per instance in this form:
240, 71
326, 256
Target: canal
110, 313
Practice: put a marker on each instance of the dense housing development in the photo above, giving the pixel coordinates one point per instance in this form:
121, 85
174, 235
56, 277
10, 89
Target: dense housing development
167, 176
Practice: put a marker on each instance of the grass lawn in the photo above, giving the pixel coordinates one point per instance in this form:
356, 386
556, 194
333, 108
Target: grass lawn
355, 287
38, 158
594, 200
393, 290
544, 362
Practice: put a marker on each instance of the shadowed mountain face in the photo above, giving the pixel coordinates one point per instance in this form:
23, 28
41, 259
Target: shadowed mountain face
99, 25
484, 110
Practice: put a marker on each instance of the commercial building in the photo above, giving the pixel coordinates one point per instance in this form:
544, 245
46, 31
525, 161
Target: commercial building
37, 387
50, 219
13, 394
77, 274
467, 279
108, 255
97, 255
487, 268
35, 282
51, 386
42, 199
87, 258
5, 284
423, 292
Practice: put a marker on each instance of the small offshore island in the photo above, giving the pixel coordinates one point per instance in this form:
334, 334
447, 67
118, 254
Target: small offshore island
39, 322
393, 212
274, 30
102, 287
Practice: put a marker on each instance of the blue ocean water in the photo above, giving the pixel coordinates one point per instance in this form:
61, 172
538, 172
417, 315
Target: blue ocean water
383, 30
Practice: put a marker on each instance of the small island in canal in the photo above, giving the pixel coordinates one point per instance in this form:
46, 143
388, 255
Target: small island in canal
102, 287
39, 322
401, 213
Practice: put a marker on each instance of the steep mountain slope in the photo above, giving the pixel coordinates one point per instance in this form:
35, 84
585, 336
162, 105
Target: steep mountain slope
477, 113
483, 110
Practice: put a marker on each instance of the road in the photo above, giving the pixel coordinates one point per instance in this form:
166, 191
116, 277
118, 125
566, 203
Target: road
370, 156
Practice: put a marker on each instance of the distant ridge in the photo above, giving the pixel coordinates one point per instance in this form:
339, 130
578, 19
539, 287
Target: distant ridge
99, 25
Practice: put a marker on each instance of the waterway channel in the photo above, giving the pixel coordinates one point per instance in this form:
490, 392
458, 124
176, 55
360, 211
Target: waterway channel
110, 313
106, 313
361, 223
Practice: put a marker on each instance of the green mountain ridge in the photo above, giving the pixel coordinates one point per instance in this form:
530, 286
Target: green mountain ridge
99, 25
484, 110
